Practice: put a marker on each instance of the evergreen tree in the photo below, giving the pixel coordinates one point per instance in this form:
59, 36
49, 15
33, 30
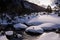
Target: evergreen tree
49, 9
58, 6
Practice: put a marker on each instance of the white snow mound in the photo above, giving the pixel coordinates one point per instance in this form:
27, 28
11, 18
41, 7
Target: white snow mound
49, 36
35, 29
44, 19
20, 25
3, 38
9, 32
49, 26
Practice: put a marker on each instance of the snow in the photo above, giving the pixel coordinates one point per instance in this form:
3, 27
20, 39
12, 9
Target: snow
4, 22
0, 20
45, 26
3, 38
9, 33
44, 19
49, 26
24, 19
19, 35
34, 29
49, 36
20, 19
8, 16
34, 23
17, 19
20, 26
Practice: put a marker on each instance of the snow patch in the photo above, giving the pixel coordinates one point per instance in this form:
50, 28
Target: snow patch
44, 19
3, 38
20, 25
9, 33
49, 36
35, 29
49, 26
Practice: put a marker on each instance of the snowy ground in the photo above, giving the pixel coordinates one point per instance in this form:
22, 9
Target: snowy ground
44, 19
20, 26
3, 38
41, 28
36, 22
35, 29
49, 36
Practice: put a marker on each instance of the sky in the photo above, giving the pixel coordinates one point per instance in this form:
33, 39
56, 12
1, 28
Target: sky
46, 2
43, 2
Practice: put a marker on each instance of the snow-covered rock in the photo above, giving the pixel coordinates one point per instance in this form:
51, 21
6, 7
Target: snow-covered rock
22, 20
0, 20
49, 36
19, 19
4, 22
9, 33
44, 19
20, 26
8, 16
34, 23
49, 26
19, 35
3, 38
34, 29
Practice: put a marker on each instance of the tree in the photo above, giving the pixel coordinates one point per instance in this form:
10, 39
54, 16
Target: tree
58, 6
49, 9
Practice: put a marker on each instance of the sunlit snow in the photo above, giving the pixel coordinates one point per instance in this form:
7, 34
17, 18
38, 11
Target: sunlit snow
49, 26
45, 19
34, 29
19, 25
49, 36
3, 38
9, 32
